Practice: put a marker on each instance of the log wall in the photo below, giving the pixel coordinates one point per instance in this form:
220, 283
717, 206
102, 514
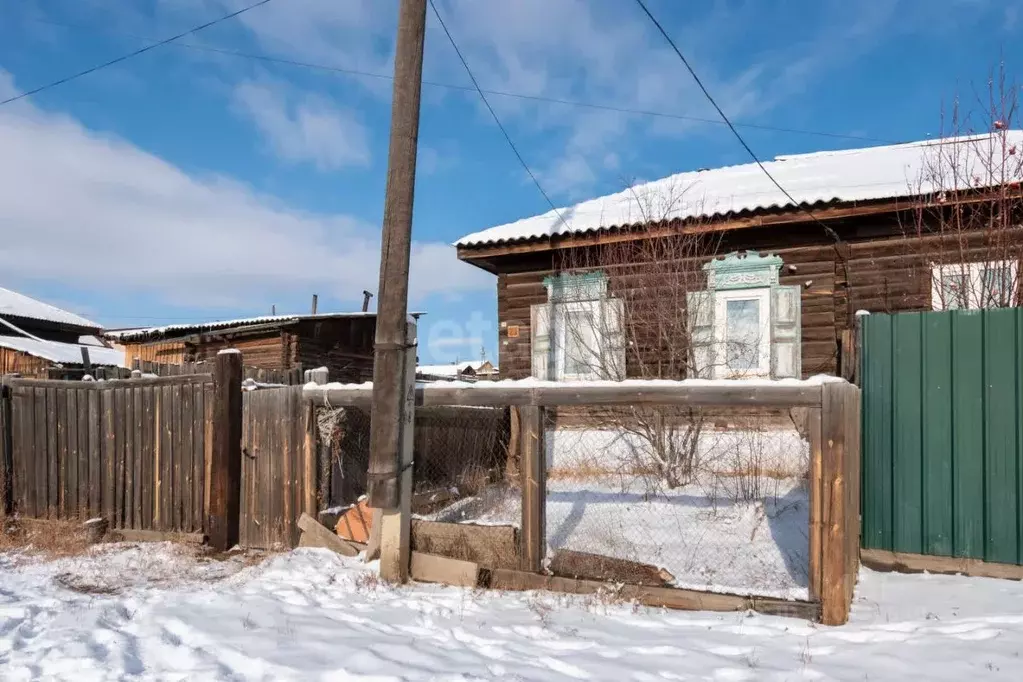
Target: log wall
343, 345
875, 267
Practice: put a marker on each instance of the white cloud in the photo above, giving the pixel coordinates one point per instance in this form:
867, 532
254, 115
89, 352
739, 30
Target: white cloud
94, 211
311, 129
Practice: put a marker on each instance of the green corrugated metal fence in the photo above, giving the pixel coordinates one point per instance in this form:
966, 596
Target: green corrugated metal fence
942, 433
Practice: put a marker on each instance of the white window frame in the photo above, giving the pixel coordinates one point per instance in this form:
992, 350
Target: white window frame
975, 274
560, 338
721, 299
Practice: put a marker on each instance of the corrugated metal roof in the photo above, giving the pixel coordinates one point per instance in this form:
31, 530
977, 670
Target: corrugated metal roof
64, 353
849, 175
19, 305
189, 328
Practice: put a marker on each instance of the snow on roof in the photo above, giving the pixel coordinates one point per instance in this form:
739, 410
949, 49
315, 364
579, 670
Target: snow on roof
19, 305
142, 333
865, 174
450, 370
63, 353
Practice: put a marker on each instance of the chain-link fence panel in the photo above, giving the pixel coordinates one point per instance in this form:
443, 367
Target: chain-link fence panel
681, 497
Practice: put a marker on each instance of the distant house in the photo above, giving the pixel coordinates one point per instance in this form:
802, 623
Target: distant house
480, 369
342, 342
37, 336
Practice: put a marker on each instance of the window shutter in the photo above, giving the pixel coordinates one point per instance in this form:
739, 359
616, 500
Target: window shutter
612, 347
701, 332
786, 342
540, 340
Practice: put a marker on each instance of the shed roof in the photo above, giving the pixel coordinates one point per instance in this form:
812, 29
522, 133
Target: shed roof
13, 304
172, 330
63, 353
850, 175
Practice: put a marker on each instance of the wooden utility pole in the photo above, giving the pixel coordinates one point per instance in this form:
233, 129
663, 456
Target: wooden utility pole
389, 480
392, 310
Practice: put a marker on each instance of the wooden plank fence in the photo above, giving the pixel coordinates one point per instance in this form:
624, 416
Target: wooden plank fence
133, 451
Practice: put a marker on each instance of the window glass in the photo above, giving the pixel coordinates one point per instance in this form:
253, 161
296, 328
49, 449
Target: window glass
955, 289
742, 334
579, 342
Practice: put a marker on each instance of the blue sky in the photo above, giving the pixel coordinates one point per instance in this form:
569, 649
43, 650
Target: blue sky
187, 184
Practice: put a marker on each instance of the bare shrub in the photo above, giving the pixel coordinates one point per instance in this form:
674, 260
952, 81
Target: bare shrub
964, 226
645, 330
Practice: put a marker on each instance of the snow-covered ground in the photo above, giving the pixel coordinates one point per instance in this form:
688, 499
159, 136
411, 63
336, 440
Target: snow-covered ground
706, 542
133, 612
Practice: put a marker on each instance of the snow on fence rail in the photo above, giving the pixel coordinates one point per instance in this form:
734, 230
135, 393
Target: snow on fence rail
691, 392
578, 559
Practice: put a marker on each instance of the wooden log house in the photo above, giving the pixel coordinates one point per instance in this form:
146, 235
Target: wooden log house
860, 238
342, 342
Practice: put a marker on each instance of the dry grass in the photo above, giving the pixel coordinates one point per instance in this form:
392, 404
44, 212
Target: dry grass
51, 539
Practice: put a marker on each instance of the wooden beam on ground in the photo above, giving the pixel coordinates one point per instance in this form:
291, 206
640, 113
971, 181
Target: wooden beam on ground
629, 392
901, 562
668, 597
226, 462
431, 568
533, 455
487, 546
567, 563
132, 535
315, 534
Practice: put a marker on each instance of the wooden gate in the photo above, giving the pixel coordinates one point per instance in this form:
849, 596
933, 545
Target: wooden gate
278, 466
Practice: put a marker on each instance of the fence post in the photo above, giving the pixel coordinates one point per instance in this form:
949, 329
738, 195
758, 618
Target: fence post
396, 524
6, 453
839, 499
320, 375
533, 463
226, 461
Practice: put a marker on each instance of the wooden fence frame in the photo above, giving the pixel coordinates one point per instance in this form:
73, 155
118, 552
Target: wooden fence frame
833, 425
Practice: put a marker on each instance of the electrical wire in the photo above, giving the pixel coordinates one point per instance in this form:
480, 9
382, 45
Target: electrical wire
125, 57
831, 232
493, 113
468, 88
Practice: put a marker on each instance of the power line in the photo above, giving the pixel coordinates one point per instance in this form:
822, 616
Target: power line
136, 53
831, 233
498, 93
494, 113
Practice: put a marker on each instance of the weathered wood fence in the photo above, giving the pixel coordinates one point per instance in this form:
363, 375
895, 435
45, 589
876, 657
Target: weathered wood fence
133, 452
139, 453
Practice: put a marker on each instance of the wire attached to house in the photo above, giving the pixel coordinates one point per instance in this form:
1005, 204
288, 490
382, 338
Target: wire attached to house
136, 53
830, 231
493, 113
